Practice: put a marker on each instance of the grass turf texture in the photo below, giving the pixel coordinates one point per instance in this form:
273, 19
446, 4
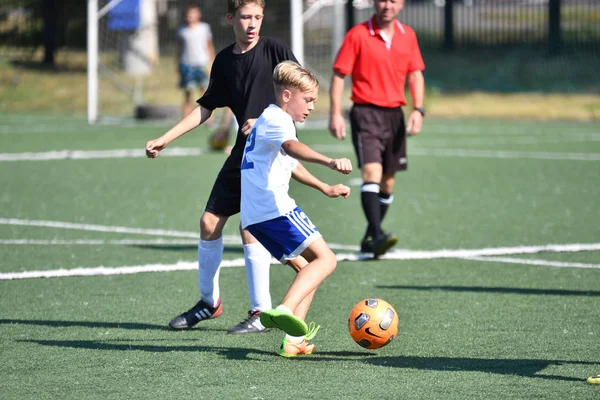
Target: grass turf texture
467, 328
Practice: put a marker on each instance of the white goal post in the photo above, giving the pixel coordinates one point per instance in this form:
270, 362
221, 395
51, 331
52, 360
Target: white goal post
316, 30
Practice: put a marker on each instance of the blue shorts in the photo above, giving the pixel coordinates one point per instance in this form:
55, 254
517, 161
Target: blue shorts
286, 237
192, 77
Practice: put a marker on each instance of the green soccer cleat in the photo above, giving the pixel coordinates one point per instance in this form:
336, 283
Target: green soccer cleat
285, 321
289, 349
594, 380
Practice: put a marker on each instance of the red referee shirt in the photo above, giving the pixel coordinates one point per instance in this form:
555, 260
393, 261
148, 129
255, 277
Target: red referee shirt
378, 66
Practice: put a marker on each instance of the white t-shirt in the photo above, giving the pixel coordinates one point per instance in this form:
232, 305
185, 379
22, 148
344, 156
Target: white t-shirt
194, 44
266, 169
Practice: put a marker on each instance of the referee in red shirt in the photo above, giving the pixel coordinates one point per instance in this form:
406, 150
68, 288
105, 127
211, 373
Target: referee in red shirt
381, 54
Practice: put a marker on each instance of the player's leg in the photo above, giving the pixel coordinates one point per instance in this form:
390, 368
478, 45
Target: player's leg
386, 196
321, 263
210, 254
368, 125
187, 102
286, 238
393, 160
258, 265
369, 196
185, 84
224, 201
293, 346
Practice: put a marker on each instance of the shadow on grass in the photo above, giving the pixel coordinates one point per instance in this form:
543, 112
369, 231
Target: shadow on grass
94, 324
519, 367
41, 67
231, 353
185, 247
506, 290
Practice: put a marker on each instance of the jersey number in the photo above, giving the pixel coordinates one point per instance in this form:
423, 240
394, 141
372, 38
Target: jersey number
249, 147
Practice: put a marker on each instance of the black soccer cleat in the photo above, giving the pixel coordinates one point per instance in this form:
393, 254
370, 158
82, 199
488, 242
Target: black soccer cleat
366, 245
383, 243
251, 324
200, 312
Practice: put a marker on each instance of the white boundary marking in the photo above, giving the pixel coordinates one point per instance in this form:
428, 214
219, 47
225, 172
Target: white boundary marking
527, 261
227, 239
96, 242
477, 153
473, 254
98, 154
97, 228
485, 254
194, 151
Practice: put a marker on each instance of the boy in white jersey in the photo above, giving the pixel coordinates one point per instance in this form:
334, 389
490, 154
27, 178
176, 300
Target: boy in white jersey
268, 212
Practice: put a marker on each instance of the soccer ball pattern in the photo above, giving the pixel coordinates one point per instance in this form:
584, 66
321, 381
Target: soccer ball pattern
373, 323
216, 143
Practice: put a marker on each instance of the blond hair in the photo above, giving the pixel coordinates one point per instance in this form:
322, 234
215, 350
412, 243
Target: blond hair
290, 75
234, 5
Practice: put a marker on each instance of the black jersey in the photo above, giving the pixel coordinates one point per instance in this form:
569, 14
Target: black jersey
244, 83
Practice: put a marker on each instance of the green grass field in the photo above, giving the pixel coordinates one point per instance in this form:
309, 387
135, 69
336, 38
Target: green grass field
514, 316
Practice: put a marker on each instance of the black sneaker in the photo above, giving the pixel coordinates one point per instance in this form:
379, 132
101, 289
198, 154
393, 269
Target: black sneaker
366, 246
199, 312
383, 243
249, 325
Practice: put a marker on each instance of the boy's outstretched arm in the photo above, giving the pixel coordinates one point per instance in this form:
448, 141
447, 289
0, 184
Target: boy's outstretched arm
302, 175
302, 152
196, 117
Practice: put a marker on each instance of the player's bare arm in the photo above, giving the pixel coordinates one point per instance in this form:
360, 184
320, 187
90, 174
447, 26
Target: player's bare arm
302, 152
196, 117
337, 124
416, 85
302, 175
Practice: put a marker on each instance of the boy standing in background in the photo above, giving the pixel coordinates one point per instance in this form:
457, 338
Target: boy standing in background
195, 52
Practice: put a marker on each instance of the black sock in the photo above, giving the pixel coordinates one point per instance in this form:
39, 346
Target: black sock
385, 199
369, 195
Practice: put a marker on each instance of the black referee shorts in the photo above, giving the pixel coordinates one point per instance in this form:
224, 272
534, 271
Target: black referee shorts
379, 136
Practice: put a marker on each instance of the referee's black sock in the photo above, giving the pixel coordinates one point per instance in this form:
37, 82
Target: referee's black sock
369, 195
385, 199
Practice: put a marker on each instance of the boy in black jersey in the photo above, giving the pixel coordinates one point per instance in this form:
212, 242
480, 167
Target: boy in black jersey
242, 79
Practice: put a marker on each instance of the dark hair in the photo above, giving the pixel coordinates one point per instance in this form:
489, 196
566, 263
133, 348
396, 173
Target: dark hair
191, 6
234, 5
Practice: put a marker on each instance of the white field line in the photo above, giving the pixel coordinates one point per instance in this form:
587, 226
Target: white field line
97, 228
98, 154
476, 153
527, 261
94, 242
525, 139
192, 151
452, 128
227, 239
473, 254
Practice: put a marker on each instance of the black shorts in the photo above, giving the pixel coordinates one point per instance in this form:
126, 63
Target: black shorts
226, 194
379, 136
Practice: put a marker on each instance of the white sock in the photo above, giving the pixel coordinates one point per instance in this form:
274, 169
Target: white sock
258, 266
210, 254
284, 309
294, 339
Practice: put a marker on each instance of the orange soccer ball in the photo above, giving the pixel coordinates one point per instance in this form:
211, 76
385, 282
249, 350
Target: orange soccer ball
373, 323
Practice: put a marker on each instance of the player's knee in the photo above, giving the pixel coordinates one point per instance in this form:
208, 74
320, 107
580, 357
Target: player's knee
209, 227
330, 261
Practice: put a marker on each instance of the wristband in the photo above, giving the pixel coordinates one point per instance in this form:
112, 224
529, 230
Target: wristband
421, 110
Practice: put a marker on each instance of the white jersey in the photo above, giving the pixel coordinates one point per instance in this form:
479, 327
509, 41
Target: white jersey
266, 169
194, 44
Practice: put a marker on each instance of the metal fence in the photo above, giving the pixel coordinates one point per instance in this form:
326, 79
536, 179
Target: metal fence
439, 23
